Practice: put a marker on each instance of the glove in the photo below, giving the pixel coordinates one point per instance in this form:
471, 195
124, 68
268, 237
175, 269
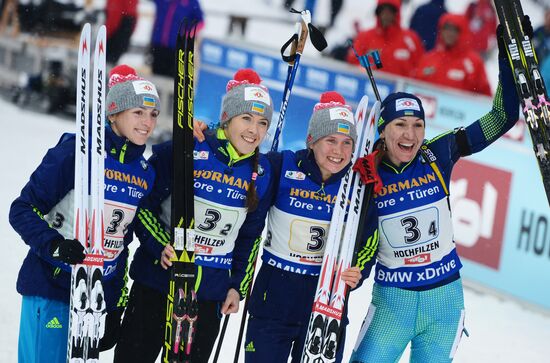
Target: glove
527, 26
366, 167
69, 251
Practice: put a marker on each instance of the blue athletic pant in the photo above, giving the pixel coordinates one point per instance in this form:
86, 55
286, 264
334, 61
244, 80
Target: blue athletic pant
43, 331
272, 341
432, 320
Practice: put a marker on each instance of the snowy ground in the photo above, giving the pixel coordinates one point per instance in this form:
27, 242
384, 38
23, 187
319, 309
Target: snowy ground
500, 330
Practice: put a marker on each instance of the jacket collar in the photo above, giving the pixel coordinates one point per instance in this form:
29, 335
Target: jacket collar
121, 148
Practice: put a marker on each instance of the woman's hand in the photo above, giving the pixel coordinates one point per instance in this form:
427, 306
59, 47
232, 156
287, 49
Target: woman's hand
352, 276
231, 303
166, 255
198, 128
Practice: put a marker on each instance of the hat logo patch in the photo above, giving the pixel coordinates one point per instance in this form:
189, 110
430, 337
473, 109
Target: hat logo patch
149, 102
144, 87
258, 107
256, 94
340, 113
343, 128
406, 104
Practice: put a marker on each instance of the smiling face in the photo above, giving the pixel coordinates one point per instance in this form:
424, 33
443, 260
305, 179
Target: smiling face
332, 153
135, 124
403, 137
246, 132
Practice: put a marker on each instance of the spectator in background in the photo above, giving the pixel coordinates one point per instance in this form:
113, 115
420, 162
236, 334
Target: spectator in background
453, 63
424, 21
541, 38
400, 49
482, 22
121, 19
169, 14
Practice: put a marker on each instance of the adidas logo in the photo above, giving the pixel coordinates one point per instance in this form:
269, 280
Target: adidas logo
54, 324
250, 347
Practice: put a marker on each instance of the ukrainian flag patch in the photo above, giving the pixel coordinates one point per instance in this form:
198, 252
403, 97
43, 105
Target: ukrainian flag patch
343, 128
258, 107
149, 102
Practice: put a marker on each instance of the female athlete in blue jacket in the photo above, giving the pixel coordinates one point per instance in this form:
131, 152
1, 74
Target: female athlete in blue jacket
307, 183
418, 296
231, 183
43, 216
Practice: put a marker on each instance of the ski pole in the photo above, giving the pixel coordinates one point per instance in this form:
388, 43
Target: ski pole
365, 62
298, 41
220, 339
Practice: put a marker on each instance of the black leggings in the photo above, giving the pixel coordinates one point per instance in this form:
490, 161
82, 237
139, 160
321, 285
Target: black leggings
142, 332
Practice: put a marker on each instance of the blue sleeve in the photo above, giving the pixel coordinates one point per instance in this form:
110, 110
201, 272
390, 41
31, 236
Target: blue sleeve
249, 238
502, 116
48, 184
153, 234
368, 248
246, 248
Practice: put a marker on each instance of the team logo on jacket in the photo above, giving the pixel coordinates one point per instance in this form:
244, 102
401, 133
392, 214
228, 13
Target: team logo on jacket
200, 155
295, 175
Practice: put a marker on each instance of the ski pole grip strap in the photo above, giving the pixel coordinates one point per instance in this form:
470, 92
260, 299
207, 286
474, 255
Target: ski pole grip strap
366, 168
289, 58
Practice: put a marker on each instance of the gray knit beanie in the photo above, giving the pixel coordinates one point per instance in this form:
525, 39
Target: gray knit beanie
245, 94
128, 90
330, 116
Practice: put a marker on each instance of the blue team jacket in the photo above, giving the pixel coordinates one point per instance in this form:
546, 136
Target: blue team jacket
128, 177
233, 270
286, 295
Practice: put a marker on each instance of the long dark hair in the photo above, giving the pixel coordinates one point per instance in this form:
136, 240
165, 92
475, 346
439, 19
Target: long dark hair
380, 146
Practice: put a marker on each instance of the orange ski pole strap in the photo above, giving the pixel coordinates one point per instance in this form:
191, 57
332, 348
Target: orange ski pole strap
367, 171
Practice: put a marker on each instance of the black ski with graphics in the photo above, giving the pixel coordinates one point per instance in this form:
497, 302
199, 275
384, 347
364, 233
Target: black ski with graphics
181, 303
529, 83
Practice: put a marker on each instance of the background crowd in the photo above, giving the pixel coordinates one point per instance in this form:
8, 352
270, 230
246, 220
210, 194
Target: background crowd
448, 49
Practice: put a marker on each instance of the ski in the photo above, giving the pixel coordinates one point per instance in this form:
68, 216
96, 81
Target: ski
529, 83
182, 305
330, 300
87, 303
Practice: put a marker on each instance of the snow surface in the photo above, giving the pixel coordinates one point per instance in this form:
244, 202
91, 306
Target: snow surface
501, 330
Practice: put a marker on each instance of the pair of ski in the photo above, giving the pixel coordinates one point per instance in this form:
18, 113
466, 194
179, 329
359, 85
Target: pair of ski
341, 246
345, 233
87, 303
529, 83
181, 303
